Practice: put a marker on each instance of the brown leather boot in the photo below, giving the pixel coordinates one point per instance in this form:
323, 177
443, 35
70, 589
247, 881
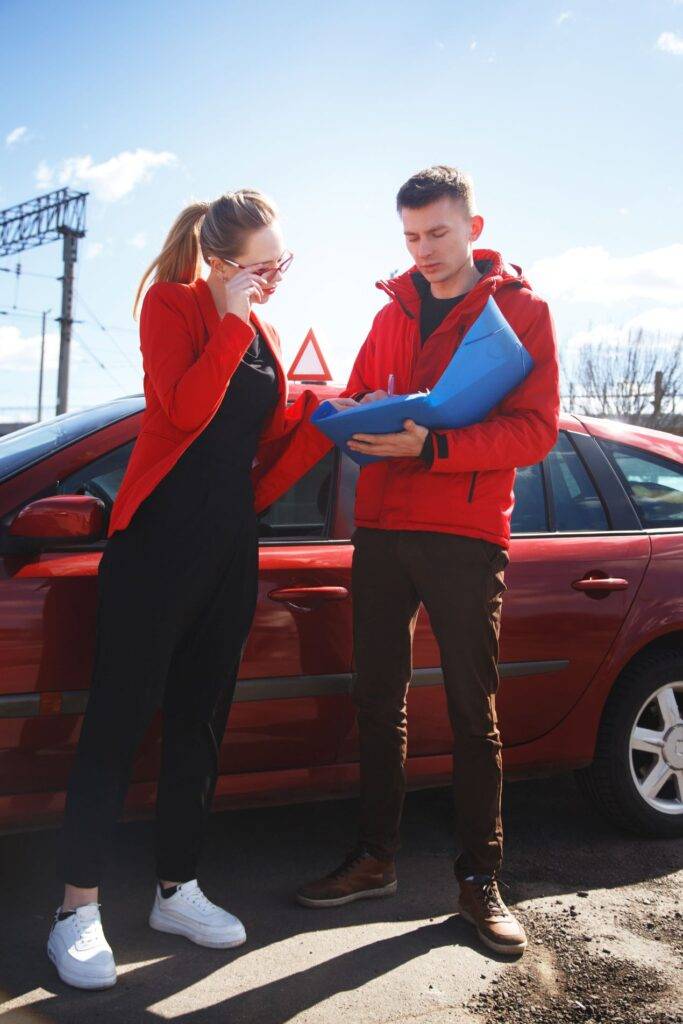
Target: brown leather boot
480, 903
360, 876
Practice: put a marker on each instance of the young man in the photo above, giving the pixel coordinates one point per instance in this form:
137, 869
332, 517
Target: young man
433, 527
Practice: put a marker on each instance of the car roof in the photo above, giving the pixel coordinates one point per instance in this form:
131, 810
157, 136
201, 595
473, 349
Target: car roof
24, 447
61, 431
669, 446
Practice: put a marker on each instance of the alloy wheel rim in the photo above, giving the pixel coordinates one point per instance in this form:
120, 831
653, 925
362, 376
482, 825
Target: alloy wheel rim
656, 749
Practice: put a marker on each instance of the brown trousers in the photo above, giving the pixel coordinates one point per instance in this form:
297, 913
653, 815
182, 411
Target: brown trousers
460, 582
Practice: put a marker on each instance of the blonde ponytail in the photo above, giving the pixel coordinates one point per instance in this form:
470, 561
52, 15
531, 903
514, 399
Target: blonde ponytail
179, 260
202, 230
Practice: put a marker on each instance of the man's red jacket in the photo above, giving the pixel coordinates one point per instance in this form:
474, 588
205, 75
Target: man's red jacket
468, 489
189, 356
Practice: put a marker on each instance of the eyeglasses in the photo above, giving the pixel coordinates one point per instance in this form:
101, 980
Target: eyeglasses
269, 273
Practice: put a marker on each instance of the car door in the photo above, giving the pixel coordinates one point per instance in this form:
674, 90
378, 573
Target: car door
570, 590
292, 694
295, 666
576, 563
296, 663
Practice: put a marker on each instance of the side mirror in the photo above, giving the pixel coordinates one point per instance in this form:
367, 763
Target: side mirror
64, 517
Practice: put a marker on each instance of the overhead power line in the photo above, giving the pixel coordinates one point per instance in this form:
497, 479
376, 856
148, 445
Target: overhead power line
20, 272
99, 362
105, 331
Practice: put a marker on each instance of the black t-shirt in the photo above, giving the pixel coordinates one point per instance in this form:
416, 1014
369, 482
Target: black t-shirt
434, 311
231, 438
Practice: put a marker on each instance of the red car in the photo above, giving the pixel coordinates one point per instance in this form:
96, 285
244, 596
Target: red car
591, 646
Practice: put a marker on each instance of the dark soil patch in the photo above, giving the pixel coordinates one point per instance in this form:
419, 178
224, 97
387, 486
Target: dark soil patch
562, 981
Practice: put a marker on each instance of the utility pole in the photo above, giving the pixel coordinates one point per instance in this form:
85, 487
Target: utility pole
42, 367
48, 218
69, 253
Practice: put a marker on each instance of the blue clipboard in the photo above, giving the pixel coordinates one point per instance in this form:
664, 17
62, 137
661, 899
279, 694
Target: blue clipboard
489, 362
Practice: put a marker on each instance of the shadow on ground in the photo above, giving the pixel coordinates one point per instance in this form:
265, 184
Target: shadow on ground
555, 844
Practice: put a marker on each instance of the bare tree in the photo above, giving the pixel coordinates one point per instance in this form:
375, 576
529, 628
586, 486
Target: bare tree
637, 382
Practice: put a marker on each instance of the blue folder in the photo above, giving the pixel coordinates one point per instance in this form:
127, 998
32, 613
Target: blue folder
489, 362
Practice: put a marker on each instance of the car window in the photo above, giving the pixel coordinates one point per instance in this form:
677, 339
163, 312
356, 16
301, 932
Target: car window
654, 484
101, 478
303, 512
529, 514
22, 448
576, 503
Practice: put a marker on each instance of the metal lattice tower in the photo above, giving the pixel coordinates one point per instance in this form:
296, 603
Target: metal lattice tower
37, 222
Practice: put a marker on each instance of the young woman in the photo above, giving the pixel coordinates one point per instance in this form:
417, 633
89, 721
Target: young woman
178, 577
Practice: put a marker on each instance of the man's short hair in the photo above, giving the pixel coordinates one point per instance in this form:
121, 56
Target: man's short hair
434, 182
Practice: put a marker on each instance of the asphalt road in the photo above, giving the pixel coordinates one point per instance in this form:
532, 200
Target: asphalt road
602, 910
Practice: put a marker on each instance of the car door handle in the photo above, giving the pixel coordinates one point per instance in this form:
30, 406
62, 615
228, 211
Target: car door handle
296, 596
600, 584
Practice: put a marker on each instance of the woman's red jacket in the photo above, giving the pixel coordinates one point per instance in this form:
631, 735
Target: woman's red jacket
189, 355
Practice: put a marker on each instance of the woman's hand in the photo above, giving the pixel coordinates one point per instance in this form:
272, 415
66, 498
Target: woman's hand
241, 290
349, 403
344, 403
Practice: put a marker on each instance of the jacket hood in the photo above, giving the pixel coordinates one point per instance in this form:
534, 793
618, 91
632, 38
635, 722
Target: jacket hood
406, 288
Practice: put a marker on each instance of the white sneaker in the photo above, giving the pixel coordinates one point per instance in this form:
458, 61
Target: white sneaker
188, 912
79, 950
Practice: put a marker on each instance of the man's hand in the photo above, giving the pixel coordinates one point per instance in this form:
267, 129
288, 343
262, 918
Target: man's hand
407, 444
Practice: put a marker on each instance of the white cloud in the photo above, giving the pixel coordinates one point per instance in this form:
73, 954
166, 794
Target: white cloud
473, 44
591, 274
19, 352
665, 321
669, 42
17, 135
94, 249
43, 176
138, 241
19, 371
564, 16
108, 181
663, 326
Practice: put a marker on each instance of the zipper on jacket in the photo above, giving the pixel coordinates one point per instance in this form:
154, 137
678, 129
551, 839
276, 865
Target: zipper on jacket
474, 477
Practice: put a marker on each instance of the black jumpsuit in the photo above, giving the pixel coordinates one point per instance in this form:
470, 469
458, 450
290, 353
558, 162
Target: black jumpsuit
177, 594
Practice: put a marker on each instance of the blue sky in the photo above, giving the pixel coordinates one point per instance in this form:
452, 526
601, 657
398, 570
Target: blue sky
568, 116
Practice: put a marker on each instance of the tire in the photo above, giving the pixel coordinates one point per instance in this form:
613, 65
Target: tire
616, 780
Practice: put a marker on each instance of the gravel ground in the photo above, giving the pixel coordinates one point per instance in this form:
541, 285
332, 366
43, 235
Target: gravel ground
602, 909
585, 965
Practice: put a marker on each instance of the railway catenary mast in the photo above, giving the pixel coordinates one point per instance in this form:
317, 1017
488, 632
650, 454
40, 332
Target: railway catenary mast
37, 222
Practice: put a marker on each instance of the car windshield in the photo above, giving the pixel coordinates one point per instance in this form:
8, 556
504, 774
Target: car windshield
22, 448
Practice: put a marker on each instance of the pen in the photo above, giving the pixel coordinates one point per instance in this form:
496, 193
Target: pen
390, 385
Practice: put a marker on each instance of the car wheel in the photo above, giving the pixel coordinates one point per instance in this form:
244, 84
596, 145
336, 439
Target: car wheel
636, 779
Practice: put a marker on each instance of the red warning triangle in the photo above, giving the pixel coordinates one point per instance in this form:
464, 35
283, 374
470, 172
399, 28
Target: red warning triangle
309, 362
